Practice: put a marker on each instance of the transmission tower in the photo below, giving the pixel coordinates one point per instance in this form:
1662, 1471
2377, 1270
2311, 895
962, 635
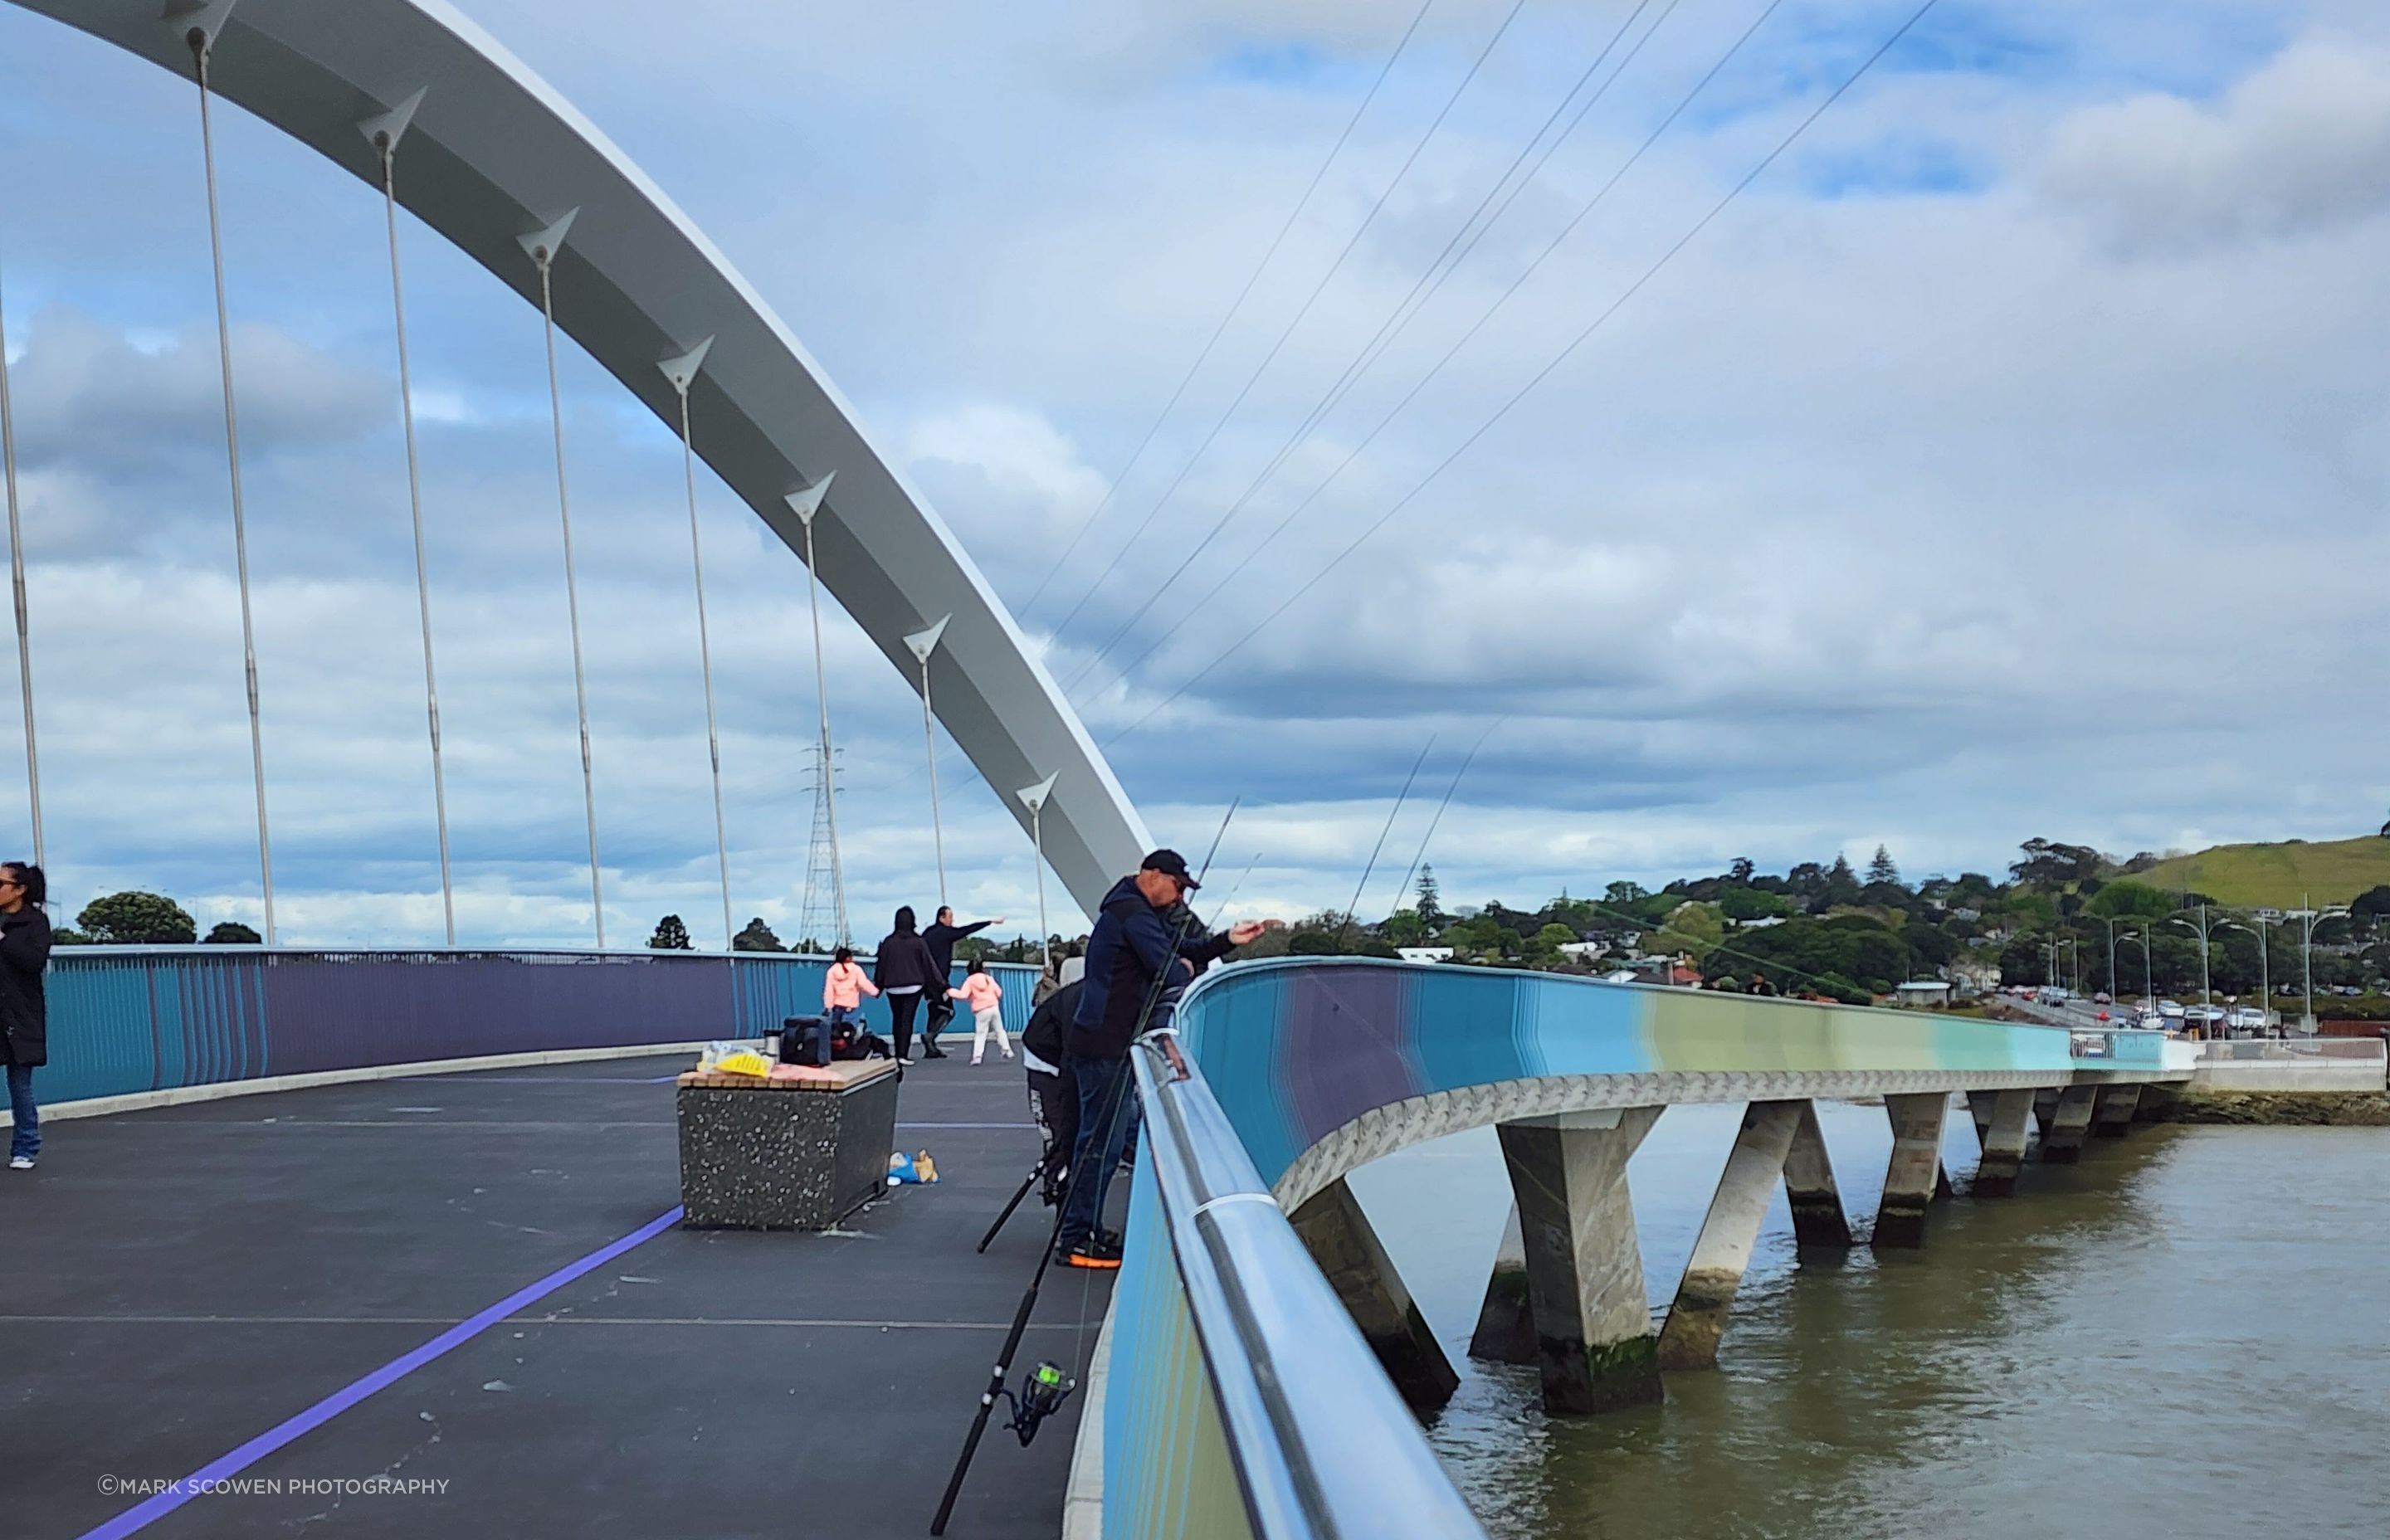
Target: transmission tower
824, 913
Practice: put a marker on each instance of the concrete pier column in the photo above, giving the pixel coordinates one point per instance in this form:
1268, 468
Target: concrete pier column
2111, 1116
2062, 1136
1338, 1235
1817, 1217
1909, 1180
1506, 1323
2045, 1108
2001, 1122
1689, 1339
1585, 1273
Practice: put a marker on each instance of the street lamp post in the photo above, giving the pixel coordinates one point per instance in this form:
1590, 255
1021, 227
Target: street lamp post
2265, 973
2149, 979
2207, 995
2307, 918
2115, 986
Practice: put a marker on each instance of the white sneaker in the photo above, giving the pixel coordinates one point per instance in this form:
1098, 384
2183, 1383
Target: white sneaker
21, 1162
975, 1062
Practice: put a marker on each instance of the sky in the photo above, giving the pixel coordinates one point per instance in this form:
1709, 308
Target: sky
2007, 457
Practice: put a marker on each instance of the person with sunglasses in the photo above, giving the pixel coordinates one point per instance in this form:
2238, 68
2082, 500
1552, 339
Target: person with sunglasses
24, 1015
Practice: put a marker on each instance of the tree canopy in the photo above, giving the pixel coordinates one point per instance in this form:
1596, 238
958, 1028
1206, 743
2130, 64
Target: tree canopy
754, 936
671, 935
135, 919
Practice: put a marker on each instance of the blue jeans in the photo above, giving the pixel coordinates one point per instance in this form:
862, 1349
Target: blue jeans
25, 1137
1107, 1115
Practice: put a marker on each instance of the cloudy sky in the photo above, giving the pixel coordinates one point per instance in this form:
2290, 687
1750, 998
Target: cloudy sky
2009, 458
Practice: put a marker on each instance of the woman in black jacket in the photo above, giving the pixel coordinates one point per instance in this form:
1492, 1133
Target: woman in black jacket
904, 970
25, 1016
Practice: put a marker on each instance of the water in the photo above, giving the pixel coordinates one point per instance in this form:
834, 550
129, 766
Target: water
2184, 1336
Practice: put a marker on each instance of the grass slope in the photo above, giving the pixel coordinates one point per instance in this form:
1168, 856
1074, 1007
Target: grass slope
2331, 871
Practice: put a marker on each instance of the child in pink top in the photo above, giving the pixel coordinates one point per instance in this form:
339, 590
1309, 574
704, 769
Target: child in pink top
844, 986
985, 995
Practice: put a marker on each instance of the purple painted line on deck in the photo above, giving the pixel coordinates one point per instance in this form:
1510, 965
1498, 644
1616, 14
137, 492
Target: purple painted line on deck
150, 1510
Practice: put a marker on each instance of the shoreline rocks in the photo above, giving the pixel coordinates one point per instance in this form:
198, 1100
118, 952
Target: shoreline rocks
2271, 1109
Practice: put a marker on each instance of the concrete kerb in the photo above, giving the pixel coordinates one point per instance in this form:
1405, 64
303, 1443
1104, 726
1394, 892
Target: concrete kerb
179, 1096
1083, 1500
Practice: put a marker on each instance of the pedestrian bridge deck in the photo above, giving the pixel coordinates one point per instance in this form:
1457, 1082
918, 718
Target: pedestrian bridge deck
183, 1280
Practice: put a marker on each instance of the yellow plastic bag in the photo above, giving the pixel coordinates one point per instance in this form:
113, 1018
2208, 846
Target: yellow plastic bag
746, 1062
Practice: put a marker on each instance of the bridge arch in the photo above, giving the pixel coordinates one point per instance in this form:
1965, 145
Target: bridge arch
492, 155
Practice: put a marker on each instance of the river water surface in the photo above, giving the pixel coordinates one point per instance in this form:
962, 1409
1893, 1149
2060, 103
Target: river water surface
2188, 1334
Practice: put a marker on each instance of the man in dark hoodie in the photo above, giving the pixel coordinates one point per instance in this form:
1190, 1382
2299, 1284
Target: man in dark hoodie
940, 938
1134, 943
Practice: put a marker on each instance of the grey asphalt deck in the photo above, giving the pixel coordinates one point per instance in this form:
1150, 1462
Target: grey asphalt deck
174, 1283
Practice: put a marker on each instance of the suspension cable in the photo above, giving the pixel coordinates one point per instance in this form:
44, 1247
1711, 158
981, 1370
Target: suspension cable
1213, 340
1286, 335
821, 699
1516, 284
1431, 278
545, 260
199, 43
681, 381
1536, 380
16, 580
389, 148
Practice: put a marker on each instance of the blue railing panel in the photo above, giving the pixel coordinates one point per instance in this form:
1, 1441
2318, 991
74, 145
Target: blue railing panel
125, 1020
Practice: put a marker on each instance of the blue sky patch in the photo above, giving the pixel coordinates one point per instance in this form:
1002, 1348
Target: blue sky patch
1899, 167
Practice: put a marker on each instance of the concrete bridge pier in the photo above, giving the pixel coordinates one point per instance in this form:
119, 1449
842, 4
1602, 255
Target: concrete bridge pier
1819, 1221
1339, 1237
1689, 1339
1585, 1273
2001, 1122
2062, 1136
1909, 1180
2111, 1116
2045, 1108
1506, 1323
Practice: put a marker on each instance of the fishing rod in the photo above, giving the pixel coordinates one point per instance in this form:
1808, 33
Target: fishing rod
1466, 760
1344, 929
1046, 1388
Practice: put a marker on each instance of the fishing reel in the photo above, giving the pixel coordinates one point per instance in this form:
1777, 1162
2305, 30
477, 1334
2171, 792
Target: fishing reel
1043, 1390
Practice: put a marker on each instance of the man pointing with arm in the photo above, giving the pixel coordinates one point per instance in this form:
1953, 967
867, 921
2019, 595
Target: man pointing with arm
1132, 945
940, 938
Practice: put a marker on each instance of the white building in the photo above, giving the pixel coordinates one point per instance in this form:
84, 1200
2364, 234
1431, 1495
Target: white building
1923, 992
1424, 953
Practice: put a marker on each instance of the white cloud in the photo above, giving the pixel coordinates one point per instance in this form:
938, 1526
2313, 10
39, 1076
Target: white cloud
1009, 474
2299, 146
1890, 515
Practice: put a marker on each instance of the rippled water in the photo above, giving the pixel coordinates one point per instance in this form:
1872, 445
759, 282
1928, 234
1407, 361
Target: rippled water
2188, 1334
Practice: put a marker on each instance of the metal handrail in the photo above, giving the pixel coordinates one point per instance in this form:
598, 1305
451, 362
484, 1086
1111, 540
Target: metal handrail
2228, 1050
1323, 1447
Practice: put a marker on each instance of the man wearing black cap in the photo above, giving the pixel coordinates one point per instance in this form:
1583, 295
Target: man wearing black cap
1132, 945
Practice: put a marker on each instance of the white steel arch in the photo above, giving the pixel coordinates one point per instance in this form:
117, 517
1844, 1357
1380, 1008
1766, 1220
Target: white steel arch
495, 154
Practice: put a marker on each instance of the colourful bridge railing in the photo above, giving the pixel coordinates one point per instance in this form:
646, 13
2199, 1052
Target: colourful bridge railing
132, 1018
1238, 1397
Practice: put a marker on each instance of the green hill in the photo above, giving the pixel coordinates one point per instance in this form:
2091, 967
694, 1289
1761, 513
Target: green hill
2330, 871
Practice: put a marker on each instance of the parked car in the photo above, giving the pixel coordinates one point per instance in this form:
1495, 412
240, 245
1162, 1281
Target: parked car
2102, 998
2170, 1009
2247, 1019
